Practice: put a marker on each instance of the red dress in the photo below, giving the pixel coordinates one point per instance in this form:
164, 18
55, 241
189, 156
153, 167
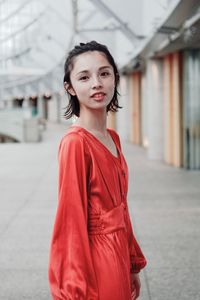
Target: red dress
93, 249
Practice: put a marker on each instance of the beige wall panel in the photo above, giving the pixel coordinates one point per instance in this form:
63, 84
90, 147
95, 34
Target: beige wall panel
167, 110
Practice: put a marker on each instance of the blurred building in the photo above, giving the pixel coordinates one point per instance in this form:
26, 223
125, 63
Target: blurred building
163, 83
156, 46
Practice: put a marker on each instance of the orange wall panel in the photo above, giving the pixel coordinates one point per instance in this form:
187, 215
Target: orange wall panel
136, 108
173, 108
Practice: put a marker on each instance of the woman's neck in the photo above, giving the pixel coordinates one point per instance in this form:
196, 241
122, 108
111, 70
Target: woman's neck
94, 121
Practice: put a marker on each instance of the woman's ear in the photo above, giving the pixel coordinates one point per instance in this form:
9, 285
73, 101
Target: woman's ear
69, 88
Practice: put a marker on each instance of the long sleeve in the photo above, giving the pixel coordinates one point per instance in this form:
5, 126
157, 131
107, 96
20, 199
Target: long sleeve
71, 272
137, 258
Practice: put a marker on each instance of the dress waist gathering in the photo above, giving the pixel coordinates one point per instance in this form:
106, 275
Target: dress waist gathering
108, 222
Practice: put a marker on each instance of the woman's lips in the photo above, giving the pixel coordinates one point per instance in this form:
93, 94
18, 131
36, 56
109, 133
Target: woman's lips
98, 96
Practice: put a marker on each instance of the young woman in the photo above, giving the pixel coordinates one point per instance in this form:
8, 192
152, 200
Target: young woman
94, 254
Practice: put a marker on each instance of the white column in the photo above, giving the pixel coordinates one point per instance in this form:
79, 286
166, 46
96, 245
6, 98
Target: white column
155, 109
40, 106
123, 115
52, 108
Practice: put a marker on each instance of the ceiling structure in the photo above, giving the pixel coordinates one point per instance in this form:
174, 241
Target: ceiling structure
179, 31
31, 39
36, 35
184, 26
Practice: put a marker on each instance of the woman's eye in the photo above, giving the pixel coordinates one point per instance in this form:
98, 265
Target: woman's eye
104, 74
83, 78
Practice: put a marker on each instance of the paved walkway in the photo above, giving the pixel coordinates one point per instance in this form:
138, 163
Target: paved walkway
164, 204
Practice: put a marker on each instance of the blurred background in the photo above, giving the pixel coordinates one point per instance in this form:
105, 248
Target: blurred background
156, 45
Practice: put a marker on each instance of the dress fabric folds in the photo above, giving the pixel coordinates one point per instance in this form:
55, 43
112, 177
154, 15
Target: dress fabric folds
93, 248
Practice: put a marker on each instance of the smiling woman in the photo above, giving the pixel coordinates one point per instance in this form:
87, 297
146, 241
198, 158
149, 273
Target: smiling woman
94, 254
101, 74
94, 87
107, 68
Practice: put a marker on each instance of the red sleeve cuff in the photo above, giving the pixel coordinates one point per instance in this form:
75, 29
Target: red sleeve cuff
137, 263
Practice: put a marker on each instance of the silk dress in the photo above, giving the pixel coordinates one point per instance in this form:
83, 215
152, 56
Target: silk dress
93, 249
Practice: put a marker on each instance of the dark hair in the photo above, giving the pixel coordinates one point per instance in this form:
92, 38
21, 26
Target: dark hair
73, 108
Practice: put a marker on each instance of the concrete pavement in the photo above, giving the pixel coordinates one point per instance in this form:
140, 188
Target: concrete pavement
164, 204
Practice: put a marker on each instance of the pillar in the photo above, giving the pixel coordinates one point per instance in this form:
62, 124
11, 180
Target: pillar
155, 109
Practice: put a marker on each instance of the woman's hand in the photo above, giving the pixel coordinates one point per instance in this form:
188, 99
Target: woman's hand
135, 285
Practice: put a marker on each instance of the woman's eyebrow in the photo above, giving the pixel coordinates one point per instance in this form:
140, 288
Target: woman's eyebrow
105, 67
83, 71
101, 68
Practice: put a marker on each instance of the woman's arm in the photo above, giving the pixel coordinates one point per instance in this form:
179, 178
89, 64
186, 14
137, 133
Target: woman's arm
137, 258
71, 272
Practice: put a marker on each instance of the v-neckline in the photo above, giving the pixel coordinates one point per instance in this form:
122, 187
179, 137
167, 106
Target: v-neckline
100, 143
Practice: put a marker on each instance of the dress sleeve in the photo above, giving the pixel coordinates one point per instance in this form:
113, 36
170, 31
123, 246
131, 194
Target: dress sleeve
71, 272
137, 258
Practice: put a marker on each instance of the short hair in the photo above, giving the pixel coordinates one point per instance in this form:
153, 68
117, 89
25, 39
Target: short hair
73, 107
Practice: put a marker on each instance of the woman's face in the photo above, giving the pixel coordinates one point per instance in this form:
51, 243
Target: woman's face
92, 80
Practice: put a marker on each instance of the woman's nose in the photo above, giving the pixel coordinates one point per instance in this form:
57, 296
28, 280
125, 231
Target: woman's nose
96, 82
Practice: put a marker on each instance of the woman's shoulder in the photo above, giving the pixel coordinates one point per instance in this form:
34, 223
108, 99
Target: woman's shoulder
73, 138
73, 148
73, 133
